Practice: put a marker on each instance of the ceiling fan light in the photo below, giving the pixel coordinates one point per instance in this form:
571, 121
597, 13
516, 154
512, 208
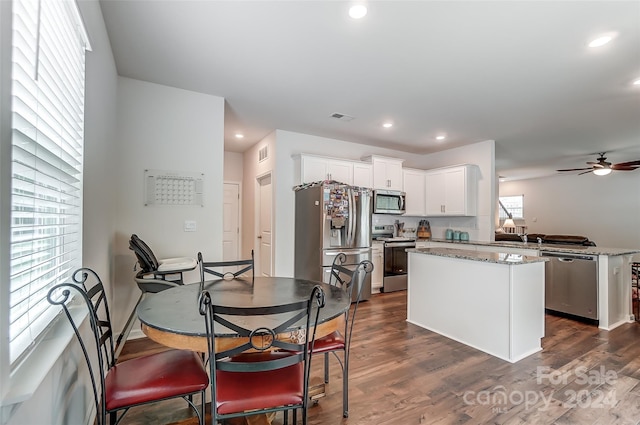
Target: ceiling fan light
602, 171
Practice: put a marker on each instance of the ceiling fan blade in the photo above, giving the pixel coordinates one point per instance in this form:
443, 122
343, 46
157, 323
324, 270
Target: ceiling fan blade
585, 172
576, 169
620, 167
630, 163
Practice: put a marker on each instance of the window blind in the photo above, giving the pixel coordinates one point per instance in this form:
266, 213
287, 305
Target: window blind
47, 94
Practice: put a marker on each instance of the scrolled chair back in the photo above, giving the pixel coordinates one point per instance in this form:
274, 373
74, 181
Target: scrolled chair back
88, 288
260, 350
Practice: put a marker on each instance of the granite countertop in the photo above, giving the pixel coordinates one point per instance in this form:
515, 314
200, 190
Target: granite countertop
547, 247
487, 257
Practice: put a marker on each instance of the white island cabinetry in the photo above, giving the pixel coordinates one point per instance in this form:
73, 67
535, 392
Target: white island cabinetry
490, 301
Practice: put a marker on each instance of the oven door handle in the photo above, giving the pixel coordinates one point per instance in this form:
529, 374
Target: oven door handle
400, 244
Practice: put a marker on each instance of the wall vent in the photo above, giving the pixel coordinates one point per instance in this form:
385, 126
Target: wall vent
341, 117
263, 153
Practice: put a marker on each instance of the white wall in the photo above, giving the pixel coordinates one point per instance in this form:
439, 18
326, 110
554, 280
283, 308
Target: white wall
233, 167
604, 209
165, 128
64, 395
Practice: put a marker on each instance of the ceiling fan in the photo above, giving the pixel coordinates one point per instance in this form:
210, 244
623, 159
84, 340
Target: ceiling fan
602, 167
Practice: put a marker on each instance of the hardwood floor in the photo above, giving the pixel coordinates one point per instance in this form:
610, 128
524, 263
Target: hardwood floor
402, 374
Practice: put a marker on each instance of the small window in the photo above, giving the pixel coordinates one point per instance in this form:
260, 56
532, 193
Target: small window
513, 204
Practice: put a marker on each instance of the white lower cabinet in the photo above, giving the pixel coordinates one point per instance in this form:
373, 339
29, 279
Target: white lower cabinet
377, 258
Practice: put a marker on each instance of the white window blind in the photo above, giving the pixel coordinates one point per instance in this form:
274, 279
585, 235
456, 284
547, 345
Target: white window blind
48, 59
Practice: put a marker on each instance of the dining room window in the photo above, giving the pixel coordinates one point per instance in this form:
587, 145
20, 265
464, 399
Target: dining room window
47, 139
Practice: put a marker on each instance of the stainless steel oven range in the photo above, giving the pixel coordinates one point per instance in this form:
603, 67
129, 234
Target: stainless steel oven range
395, 257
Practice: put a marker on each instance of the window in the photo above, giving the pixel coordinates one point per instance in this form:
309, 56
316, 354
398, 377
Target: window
47, 105
513, 204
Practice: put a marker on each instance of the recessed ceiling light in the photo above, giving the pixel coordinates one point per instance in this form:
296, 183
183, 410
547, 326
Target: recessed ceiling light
602, 40
358, 11
239, 136
387, 125
440, 137
637, 82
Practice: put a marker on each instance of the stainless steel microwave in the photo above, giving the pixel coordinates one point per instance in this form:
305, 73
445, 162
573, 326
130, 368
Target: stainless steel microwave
388, 202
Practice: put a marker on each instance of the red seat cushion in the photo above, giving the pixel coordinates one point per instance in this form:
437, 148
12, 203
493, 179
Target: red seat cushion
242, 391
332, 342
155, 377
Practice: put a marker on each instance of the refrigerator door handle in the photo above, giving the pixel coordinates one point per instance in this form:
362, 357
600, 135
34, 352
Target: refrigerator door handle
351, 213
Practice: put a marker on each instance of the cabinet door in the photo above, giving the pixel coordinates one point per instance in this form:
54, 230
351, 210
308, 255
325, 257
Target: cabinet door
314, 169
435, 193
362, 174
455, 192
380, 180
414, 187
394, 175
387, 174
341, 171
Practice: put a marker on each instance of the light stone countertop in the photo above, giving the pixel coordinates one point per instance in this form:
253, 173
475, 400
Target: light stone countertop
487, 257
548, 247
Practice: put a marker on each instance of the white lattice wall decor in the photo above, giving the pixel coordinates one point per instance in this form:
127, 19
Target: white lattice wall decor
173, 188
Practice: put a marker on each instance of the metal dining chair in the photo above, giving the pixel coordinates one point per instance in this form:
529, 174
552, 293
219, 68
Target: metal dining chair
120, 386
251, 377
157, 275
217, 268
347, 278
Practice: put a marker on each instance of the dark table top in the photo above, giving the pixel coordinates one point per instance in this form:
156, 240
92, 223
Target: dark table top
176, 310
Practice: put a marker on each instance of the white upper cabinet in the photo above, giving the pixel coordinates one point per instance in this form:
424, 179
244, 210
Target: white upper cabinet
387, 172
362, 174
413, 183
451, 191
317, 168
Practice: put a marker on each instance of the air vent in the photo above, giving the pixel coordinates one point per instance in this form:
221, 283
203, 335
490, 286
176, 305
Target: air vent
263, 153
341, 117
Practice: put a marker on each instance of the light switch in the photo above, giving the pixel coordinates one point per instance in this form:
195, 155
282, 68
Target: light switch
189, 226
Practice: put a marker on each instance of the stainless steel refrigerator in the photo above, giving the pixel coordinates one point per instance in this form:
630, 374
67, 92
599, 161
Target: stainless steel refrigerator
331, 218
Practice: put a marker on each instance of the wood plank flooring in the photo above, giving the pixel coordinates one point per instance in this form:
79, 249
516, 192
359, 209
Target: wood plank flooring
402, 374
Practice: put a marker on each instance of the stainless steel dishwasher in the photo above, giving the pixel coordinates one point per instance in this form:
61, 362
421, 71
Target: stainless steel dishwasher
571, 284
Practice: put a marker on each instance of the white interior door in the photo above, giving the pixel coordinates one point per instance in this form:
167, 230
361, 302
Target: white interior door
231, 220
264, 227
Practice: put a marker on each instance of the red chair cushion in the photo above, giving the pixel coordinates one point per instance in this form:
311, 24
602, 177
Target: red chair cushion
155, 377
242, 391
332, 342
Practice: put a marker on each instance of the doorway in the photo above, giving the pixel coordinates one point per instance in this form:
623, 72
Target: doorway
265, 246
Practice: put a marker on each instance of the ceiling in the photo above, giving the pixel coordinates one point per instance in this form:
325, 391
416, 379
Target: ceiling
516, 72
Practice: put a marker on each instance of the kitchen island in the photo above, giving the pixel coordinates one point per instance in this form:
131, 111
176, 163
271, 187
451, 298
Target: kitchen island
613, 271
488, 300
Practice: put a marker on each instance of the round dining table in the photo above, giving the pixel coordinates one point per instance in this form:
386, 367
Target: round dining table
172, 317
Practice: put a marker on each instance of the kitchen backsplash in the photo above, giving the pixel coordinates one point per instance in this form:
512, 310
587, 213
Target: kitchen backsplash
438, 224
